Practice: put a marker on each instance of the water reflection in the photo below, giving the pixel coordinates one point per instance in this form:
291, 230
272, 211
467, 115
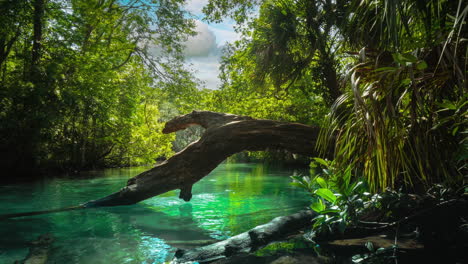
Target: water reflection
232, 199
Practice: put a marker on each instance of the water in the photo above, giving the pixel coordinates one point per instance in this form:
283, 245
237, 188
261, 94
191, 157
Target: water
235, 197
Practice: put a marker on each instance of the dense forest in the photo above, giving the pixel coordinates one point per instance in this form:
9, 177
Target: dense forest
90, 84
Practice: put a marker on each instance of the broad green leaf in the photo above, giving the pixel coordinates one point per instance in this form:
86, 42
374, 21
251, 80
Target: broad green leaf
326, 194
322, 162
357, 186
320, 181
318, 206
330, 211
402, 58
407, 57
296, 178
447, 104
397, 57
421, 65
380, 250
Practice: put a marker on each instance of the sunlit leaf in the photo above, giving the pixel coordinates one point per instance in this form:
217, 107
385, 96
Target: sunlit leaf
318, 206
330, 211
321, 182
321, 161
326, 194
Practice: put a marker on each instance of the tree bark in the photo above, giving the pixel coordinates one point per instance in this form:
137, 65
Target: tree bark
224, 136
249, 241
39, 7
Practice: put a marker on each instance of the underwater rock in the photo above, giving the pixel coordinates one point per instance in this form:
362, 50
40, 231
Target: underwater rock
39, 250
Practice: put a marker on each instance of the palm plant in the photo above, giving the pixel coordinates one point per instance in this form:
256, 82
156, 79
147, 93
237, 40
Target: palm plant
402, 119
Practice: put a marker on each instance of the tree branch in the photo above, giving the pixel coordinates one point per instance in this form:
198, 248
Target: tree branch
225, 135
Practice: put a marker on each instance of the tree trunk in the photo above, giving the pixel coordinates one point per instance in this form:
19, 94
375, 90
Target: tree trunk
37, 35
249, 241
225, 135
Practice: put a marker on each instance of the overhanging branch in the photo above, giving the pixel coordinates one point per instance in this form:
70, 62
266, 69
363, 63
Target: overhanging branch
225, 135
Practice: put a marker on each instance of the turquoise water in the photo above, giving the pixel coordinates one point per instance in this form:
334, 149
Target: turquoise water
232, 199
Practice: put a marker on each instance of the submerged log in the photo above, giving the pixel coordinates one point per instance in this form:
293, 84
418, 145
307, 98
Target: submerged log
224, 136
39, 250
249, 241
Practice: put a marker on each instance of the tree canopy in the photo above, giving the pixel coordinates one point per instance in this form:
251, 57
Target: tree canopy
392, 75
79, 81
88, 83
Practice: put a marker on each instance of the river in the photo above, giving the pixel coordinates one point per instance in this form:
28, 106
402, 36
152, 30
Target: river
233, 198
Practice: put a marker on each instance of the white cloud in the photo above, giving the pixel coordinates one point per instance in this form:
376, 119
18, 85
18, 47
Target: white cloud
203, 54
207, 70
224, 33
196, 6
203, 43
203, 51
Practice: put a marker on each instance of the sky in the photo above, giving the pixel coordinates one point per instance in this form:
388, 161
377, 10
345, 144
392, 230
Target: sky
203, 51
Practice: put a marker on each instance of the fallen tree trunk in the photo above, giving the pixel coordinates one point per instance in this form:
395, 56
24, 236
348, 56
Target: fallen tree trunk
249, 241
225, 135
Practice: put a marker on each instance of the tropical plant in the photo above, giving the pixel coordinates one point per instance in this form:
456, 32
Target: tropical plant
387, 68
336, 196
397, 123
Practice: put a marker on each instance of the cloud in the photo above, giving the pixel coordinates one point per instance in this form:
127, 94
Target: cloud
203, 43
206, 70
196, 6
204, 50
203, 54
225, 32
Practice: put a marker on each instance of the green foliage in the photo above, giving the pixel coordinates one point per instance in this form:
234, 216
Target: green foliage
335, 197
287, 53
390, 123
78, 76
398, 204
146, 142
82, 96
392, 118
385, 67
218, 10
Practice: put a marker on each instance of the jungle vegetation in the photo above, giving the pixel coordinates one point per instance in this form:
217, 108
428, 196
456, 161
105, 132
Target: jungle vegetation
81, 85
